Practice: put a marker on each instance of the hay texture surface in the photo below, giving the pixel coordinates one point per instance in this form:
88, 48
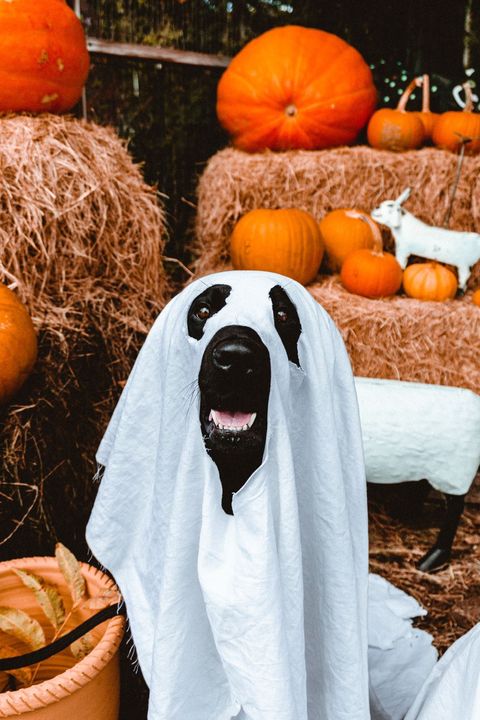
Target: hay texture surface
399, 338
235, 182
81, 240
401, 530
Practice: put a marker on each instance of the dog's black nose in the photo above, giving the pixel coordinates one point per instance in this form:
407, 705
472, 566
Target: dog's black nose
234, 356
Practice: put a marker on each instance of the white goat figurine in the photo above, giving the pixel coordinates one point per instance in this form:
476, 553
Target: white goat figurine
414, 237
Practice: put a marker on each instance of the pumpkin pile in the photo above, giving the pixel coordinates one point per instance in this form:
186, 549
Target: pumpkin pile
399, 130
293, 88
289, 241
43, 56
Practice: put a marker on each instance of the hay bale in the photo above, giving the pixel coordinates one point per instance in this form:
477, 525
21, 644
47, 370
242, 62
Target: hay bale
403, 339
81, 240
235, 182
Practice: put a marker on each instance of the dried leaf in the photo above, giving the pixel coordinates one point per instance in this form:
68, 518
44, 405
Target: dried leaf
110, 596
70, 569
23, 676
21, 626
47, 597
81, 647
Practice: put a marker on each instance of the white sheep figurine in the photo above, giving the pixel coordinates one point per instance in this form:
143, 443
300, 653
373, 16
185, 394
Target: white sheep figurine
413, 431
414, 237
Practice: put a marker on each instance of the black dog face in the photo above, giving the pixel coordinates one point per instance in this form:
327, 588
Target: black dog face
234, 383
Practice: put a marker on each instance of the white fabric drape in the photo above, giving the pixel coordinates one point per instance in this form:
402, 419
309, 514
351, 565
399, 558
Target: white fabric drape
262, 612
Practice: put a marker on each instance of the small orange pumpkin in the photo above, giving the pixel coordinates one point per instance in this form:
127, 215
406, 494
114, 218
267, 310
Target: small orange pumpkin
344, 230
396, 129
454, 128
43, 56
429, 281
427, 117
294, 87
476, 297
371, 273
18, 344
285, 241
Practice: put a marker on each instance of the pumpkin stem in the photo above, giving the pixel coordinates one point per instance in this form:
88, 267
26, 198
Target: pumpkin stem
291, 110
425, 93
468, 97
375, 230
402, 103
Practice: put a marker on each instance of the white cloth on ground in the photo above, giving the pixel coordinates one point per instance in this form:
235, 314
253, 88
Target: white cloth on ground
400, 657
452, 690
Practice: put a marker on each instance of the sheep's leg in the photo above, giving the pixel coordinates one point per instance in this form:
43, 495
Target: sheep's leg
440, 553
402, 259
463, 275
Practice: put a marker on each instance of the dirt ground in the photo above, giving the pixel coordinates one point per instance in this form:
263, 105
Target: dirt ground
452, 595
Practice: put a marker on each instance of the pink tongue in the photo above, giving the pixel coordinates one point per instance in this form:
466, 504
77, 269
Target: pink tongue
235, 419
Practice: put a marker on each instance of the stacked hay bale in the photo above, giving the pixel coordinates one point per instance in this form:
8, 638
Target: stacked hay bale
81, 241
397, 337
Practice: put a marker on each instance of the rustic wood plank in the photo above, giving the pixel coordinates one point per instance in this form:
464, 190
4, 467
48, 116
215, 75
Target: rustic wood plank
155, 53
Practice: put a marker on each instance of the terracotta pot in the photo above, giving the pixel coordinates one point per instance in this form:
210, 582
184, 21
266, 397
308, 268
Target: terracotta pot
64, 689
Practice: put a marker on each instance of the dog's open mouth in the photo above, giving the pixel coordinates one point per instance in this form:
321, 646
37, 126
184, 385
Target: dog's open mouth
232, 430
234, 421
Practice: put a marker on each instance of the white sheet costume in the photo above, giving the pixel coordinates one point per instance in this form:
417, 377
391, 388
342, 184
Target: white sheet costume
262, 614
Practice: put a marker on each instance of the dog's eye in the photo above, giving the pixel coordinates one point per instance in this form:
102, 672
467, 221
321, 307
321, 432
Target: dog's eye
287, 322
205, 305
203, 312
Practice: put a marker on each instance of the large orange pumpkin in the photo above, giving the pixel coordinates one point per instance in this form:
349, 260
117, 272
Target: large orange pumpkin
18, 344
43, 56
295, 87
371, 273
429, 281
344, 230
285, 241
396, 129
456, 127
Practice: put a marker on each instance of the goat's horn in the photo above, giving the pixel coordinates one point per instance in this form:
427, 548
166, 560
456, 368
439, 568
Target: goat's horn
403, 196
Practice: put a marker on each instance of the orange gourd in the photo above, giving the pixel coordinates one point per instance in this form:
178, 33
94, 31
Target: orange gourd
454, 128
371, 273
18, 344
43, 56
427, 117
476, 297
344, 230
295, 87
285, 241
429, 281
396, 129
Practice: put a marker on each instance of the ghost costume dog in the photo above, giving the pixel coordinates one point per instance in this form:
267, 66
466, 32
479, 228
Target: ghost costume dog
262, 613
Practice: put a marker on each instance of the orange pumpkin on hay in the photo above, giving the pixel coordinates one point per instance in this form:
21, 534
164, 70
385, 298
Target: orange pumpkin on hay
429, 281
371, 273
18, 344
454, 128
285, 241
396, 129
44, 60
293, 88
